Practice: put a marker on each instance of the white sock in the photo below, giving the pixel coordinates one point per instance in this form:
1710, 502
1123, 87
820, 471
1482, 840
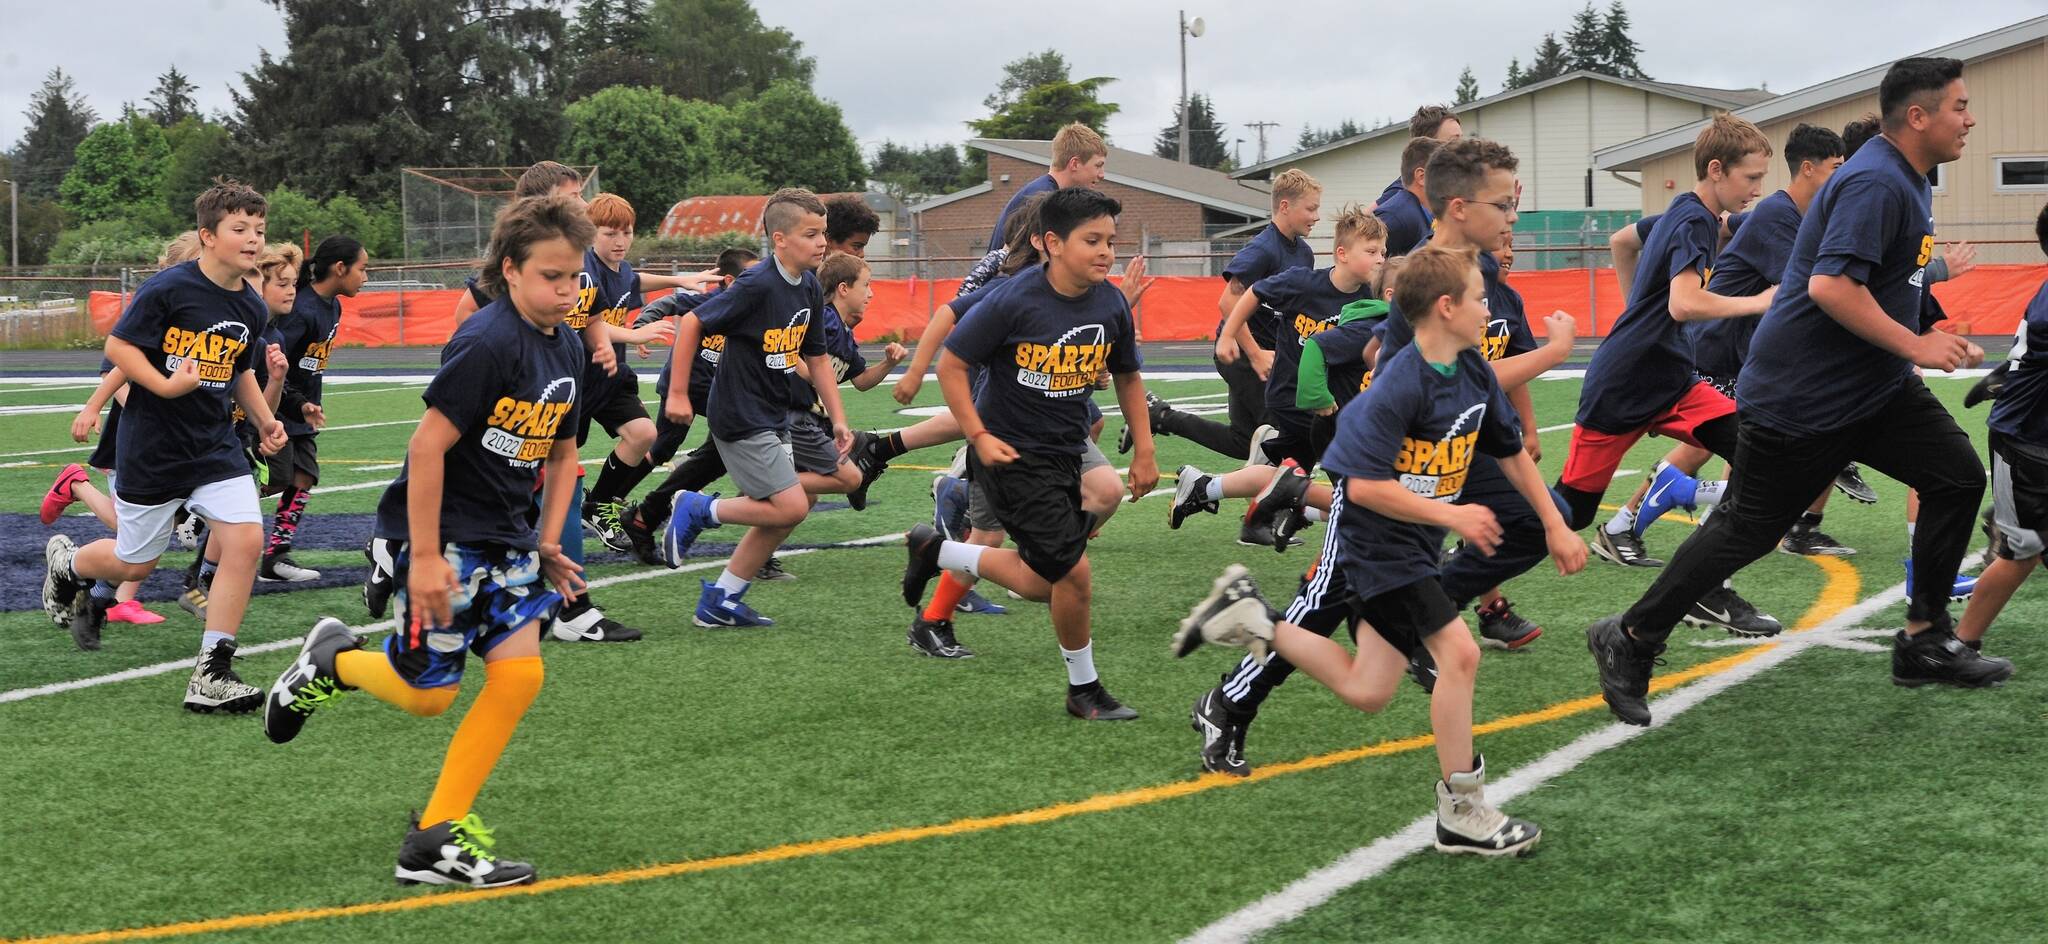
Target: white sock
1622, 522
961, 556
1215, 488
1909, 533
1080, 664
731, 583
1313, 513
1709, 493
713, 512
212, 639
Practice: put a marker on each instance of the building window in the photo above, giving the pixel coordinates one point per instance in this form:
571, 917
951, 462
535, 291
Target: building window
2028, 174
1937, 179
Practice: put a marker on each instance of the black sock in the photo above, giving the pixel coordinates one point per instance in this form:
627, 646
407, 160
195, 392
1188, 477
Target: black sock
891, 446
1073, 689
1808, 521
612, 483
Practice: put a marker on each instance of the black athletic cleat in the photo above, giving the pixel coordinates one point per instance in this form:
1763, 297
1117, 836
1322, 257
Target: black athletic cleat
1190, 496
281, 568
1813, 542
1500, 627
1723, 608
1989, 386
1155, 409
457, 853
773, 571
1937, 657
1422, 668
1092, 702
640, 537
1279, 499
867, 457
923, 542
88, 619
1222, 735
309, 682
603, 520
1233, 614
1625, 669
1625, 548
62, 587
1850, 483
382, 580
582, 621
935, 638
214, 686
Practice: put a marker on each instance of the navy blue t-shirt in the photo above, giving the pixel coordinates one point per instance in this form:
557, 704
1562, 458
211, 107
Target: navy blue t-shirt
840, 349
611, 296
1043, 351
167, 448
1645, 364
1648, 224
260, 366
1806, 374
306, 335
1423, 429
1308, 303
1388, 193
767, 321
512, 390
1268, 254
1044, 184
1344, 363
1507, 324
1751, 263
1406, 219
708, 347
2021, 410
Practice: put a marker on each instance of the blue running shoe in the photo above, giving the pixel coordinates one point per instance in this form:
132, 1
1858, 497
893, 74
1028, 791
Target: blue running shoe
1965, 586
718, 610
1669, 489
976, 603
949, 506
691, 516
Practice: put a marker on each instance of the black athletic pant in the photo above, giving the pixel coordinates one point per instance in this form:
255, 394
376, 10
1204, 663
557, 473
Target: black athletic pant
1912, 439
700, 467
1247, 411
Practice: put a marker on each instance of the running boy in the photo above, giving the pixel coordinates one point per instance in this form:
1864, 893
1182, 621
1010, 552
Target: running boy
1406, 212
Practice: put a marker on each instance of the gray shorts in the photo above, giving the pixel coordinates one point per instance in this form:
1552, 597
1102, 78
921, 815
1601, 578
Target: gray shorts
760, 463
810, 443
981, 515
2019, 498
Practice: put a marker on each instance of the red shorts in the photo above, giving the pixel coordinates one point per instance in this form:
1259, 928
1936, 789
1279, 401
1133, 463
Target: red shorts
1595, 455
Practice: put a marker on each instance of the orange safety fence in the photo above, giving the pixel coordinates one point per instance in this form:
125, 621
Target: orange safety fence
1987, 301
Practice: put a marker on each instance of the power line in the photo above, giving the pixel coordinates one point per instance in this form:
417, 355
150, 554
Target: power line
1260, 127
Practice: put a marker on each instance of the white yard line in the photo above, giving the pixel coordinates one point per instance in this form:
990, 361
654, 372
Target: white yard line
1367, 862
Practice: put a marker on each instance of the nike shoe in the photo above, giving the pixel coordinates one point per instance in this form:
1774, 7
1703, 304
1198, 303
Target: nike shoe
309, 682
976, 604
639, 536
1500, 627
214, 686
691, 516
1965, 585
1190, 496
717, 609
282, 569
935, 638
1422, 668
88, 619
603, 521
1937, 657
1233, 614
1625, 548
867, 458
62, 586
923, 542
132, 612
1466, 823
1625, 666
382, 580
60, 495
1222, 735
1256, 453
1989, 386
773, 571
950, 497
1279, 499
1155, 408
582, 621
1813, 542
1093, 702
1669, 489
457, 853
1723, 608
1850, 483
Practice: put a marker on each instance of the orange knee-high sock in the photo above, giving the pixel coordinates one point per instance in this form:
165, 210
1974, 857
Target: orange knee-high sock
948, 595
509, 688
370, 670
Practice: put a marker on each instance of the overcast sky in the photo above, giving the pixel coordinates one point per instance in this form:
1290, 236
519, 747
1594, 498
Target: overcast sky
915, 70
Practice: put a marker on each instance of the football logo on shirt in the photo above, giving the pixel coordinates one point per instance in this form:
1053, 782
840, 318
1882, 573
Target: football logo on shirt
523, 431
1437, 469
1066, 367
779, 344
618, 315
216, 349
1307, 326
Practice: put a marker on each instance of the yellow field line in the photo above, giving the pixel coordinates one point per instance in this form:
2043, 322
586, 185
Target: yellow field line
1838, 594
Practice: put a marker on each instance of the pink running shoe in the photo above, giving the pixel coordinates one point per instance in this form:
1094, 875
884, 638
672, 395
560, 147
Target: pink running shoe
59, 496
132, 612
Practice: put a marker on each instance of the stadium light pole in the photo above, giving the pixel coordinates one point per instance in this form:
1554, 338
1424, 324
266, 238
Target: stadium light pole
1187, 28
14, 224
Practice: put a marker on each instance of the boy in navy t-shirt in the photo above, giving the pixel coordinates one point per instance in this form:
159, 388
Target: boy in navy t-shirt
768, 316
1044, 337
1080, 158
338, 268
1406, 211
1403, 452
476, 575
187, 344
1830, 380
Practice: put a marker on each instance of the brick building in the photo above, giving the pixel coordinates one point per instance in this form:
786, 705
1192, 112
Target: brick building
1177, 206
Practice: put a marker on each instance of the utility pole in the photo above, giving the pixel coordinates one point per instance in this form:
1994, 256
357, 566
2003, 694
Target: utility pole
1187, 29
1260, 127
13, 224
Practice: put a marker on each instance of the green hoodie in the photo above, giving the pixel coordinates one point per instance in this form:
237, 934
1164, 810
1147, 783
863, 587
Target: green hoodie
1312, 384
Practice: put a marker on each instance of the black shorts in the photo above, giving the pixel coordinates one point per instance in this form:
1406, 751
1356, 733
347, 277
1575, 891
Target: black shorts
2018, 516
1408, 614
1301, 437
300, 455
617, 404
1038, 500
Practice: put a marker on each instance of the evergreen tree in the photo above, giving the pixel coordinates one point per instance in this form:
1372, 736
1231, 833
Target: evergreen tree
1618, 51
1468, 88
1205, 135
1551, 61
1514, 79
1313, 137
1023, 75
716, 50
1584, 42
171, 101
58, 118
